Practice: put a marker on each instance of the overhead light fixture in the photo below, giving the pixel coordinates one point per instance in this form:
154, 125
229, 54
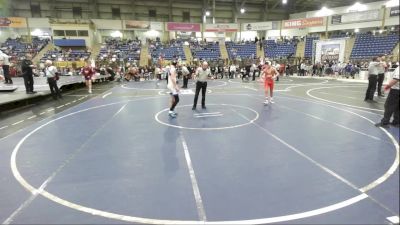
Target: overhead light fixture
324, 11
37, 32
357, 7
208, 13
356, 30
242, 10
392, 3
380, 31
284, 2
116, 34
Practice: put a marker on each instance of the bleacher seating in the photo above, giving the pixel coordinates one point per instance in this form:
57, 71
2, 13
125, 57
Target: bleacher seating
17, 49
308, 51
169, 52
128, 50
242, 50
62, 55
368, 45
281, 49
208, 51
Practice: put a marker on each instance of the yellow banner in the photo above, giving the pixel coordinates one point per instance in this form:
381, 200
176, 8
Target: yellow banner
15, 22
68, 64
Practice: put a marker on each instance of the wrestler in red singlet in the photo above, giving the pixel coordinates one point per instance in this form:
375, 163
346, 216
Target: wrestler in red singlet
269, 75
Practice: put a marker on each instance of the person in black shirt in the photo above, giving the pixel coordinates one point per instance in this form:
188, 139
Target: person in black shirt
27, 73
247, 73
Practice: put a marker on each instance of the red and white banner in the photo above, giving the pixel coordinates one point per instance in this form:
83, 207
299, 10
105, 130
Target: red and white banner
222, 27
303, 23
193, 27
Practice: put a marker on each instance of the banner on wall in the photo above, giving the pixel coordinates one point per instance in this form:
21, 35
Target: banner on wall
356, 17
156, 25
303, 23
15, 22
68, 21
222, 27
331, 50
135, 24
394, 11
192, 27
142, 25
259, 26
336, 19
103, 24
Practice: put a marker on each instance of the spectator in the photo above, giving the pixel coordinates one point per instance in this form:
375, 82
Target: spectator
27, 73
52, 77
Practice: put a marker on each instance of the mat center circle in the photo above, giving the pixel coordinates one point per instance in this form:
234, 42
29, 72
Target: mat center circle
214, 117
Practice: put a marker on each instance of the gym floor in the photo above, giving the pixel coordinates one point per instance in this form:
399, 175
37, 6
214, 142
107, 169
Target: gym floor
313, 157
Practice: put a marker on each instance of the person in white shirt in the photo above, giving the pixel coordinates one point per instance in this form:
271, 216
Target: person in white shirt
173, 87
392, 106
185, 74
51, 74
373, 70
302, 69
232, 70
381, 75
277, 67
5, 63
202, 75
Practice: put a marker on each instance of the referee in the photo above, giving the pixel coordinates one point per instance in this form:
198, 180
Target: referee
392, 102
202, 74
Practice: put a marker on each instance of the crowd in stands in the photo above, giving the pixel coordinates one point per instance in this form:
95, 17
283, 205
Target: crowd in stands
115, 49
205, 50
170, 51
368, 45
17, 49
66, 55
276, 49
241, 50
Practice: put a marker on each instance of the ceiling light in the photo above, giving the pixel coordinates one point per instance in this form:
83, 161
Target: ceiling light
116, 34
242, 10
324, 11
356, 30
284, 1
357, 7
207, 13
392, 3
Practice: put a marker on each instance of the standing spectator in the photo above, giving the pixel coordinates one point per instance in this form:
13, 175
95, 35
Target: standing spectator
232, 70
372, 78
27, 74
247, 69
381, 75
51, 74
392, 102
88, 72
277, 67
185, 73
253, 71
5, 63
303, 67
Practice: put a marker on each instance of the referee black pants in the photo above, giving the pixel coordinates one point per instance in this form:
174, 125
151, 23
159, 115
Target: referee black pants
203, 87
372, 81
6, 72
381, 77
392, 107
